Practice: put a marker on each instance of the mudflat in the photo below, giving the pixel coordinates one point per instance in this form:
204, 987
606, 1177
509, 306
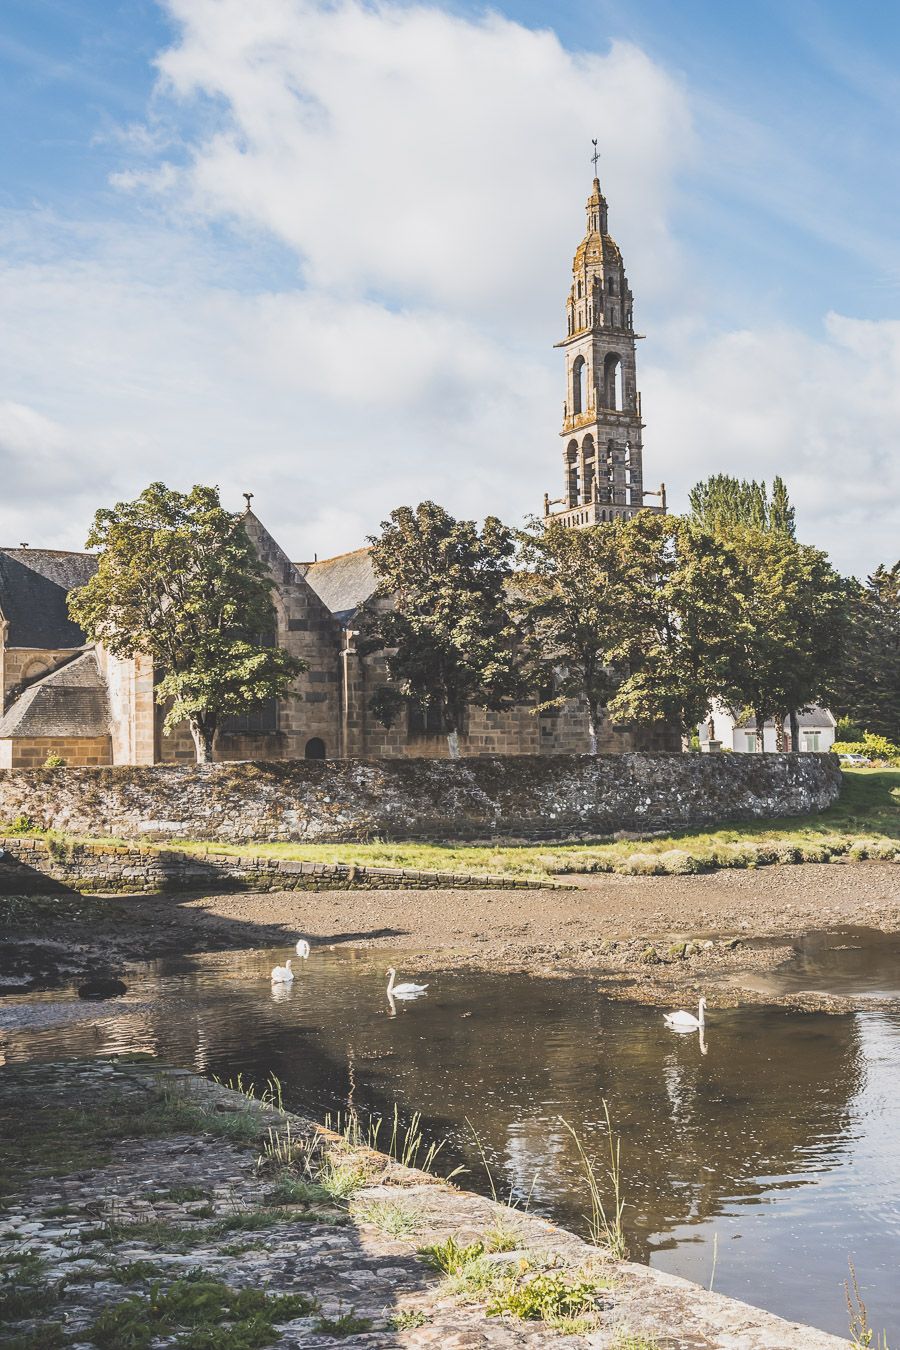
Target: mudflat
643, 937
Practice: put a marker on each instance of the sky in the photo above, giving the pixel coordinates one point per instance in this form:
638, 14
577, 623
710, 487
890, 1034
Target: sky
319, 250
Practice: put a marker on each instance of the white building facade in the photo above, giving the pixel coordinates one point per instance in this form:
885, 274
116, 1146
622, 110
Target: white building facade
723, 731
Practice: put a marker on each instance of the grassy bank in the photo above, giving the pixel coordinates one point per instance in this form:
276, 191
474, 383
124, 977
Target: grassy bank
863, 823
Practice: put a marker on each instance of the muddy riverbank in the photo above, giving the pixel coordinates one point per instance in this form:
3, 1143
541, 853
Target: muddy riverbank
646, 938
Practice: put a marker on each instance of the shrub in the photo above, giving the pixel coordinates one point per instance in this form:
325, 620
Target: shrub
873, 747
54, 762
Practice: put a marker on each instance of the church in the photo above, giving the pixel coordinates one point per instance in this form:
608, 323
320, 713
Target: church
66, 700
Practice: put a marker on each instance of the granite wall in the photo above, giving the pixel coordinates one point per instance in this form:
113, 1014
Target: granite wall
522, 797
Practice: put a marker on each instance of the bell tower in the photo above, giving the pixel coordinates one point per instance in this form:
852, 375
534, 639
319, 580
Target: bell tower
603, 471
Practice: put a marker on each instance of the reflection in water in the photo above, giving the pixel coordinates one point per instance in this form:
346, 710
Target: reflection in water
772, 1135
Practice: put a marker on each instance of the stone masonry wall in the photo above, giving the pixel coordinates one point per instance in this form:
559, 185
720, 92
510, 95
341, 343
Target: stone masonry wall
36, 866
524, 797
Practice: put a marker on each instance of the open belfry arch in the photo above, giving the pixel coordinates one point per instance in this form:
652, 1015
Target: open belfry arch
603, 469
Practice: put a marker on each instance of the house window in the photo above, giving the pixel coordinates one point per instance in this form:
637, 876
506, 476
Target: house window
811, 741
751, 742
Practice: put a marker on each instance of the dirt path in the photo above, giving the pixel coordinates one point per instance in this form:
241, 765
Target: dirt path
628, 931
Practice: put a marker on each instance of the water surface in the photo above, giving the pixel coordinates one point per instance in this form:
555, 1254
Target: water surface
777, 1151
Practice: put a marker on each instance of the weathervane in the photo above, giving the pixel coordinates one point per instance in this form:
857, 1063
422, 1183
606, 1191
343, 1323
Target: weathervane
248, 497
595, 156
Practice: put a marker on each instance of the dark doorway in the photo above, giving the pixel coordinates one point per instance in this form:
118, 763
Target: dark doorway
315, 748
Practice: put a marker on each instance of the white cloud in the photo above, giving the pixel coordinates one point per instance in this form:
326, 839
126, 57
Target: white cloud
824, 412
443, 161
426, 175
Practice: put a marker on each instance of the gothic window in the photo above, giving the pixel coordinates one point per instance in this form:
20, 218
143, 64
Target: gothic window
572, 473
579, 290
578, 385
612, 381
587, 455
315, 748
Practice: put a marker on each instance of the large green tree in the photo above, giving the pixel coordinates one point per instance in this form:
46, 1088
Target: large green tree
440, 615
574, 596
789, 629
721, 501
634, 617
677, 635
866, 688
179, 580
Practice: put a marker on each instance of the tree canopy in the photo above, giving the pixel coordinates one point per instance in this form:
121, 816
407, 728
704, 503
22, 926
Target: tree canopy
721, 501
791, 615
179, 580
440, 615
866, 688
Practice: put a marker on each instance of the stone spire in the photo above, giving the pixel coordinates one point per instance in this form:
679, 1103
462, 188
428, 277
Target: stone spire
602, 427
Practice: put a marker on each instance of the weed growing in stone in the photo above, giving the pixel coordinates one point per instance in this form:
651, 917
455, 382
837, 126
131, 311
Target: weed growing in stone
391, 1217
407, 1320
633, 1340
289, 1190
24, 1290
548, 1296
348, 1324
181, 1194
451, 1257
200, 1313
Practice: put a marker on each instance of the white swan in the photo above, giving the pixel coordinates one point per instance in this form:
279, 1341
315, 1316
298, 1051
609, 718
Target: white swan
403, 990
282, 974
685, 1021
302, 948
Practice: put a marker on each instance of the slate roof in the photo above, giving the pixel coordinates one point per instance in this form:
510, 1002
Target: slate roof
70, 701
343, 583
34, 583
814, 718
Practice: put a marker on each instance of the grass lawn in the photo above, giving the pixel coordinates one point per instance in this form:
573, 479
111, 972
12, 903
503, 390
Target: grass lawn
864, 822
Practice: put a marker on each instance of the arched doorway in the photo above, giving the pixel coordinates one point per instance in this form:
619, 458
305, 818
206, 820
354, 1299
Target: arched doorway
315, 748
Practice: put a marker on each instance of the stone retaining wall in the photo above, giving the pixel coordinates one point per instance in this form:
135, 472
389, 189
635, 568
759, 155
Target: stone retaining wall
521, 797
35, 866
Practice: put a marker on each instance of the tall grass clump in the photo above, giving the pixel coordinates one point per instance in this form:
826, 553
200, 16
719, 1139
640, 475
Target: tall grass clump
605, 1220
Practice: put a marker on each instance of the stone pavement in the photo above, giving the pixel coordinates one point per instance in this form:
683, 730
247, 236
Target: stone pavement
114, 1217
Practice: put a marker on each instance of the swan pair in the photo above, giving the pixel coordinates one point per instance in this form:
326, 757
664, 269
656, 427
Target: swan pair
685, 1021
284, 974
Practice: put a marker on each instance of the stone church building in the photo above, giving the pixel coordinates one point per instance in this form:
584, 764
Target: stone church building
63, 697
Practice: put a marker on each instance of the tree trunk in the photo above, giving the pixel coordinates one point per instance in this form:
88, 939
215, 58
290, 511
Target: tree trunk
780, 744
795, 732
760, 732
203, 742
453, 743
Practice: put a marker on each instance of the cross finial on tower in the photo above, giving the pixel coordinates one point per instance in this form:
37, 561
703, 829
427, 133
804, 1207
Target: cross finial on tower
595, 157
248, 497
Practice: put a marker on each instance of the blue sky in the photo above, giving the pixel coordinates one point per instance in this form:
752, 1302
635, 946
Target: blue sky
274, 244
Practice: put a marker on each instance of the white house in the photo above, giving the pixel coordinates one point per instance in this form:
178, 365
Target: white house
722, 731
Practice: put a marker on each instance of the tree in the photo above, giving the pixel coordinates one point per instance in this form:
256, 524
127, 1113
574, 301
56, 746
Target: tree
866, 687
179, 580
789, 630
440, 614
677, 637
721, 501
575, 596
